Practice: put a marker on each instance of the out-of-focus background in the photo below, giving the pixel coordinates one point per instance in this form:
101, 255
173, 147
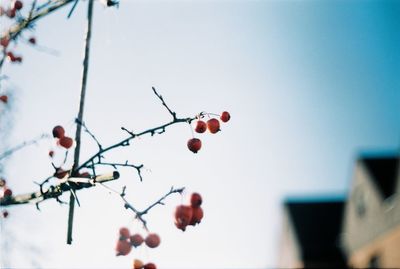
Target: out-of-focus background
304, 174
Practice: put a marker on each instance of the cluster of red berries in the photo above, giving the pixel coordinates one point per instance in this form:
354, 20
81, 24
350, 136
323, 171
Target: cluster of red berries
212, 125
63, 141
189, 214
12, 11
5, 193
126, 241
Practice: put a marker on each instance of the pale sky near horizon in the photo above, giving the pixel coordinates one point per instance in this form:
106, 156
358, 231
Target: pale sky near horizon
309, 85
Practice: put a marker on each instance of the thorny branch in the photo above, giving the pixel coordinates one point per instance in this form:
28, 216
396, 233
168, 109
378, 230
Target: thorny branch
164, 104
95, 160
58, 189
115, 165
139, 214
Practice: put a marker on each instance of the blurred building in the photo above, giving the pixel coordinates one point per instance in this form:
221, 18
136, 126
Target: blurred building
311, 234
371, 227
362, 231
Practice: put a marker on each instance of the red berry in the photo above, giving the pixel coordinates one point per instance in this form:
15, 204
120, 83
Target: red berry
183, 215
123, 247
4, 99
66, 142
58, 131
60, 173
4, 41
11, 13
201, 127
32, 40
7, 193
225, 116
18, 5
152, 240
11, 56
137, 264
124, 233
213, 125
150, 265
5, 213
136, 240
194, 145
18, 59
197, 216
84, 174
195, 200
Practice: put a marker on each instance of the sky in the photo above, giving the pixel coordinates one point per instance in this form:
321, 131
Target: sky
309, 85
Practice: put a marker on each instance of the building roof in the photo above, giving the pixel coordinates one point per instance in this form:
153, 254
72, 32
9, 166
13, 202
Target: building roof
317, 226
383, 170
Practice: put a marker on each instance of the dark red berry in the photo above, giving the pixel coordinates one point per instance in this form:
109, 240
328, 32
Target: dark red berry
194, 145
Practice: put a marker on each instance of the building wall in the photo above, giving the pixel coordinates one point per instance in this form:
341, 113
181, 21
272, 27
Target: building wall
289, 251
361, 232
384, 251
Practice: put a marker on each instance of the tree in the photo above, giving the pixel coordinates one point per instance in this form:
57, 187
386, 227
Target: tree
72, 173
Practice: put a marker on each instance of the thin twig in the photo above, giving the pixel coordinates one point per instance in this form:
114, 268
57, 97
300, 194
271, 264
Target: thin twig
24, 144
139, 214
126, 164
89, 132
164, 104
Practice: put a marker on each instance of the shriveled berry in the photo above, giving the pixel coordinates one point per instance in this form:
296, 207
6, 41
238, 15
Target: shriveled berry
124, 233
18, 59
66, 142
2, 182
194, 145
195, 200
201, 126
4, 98
5, 213
225, 116
152, 240
51, 153
32, 40
123, 247
58, 131
136, 240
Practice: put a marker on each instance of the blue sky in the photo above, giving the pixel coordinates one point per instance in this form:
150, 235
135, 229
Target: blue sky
309, 85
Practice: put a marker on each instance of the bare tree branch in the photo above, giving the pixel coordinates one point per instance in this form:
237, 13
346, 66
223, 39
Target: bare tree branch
85, 71
58, 190
139, 214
